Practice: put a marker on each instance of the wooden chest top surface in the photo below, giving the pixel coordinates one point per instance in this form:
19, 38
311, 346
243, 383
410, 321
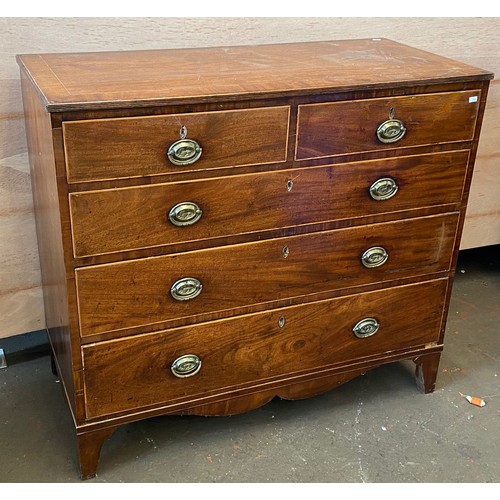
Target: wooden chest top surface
142, 78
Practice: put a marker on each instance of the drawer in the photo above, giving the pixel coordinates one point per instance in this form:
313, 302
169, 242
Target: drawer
347, 127
139, 217
135, 147
235, 353
137, 293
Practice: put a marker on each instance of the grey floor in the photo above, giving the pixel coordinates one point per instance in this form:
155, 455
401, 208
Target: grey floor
376, 428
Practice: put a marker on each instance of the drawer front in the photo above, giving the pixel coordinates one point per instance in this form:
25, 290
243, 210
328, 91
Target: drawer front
348, 127
139, 217
135, 372
141, 292
135, 147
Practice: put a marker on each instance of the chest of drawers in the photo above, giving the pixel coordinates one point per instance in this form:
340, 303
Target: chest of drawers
218, 227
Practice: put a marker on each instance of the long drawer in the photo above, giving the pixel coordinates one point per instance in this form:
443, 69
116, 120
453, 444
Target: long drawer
153, 290
131, 218
346, 127
151, 145
214, 357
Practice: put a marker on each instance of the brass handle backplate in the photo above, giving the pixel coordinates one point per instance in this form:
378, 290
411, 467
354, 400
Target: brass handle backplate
186, 213
391, 130
383, 189
366, 328
186, 366
186, 289
374, 257
184, 152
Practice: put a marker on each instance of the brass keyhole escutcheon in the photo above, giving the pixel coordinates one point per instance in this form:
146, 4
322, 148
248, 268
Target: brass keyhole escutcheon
281, 321
285, 252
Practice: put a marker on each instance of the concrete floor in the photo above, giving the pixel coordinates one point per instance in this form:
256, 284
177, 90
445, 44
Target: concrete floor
377, 428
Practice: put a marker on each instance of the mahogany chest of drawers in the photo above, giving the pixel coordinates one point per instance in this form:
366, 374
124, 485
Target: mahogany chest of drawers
218, 227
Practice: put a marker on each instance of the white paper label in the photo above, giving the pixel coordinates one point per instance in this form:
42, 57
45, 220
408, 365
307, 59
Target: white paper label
473, 99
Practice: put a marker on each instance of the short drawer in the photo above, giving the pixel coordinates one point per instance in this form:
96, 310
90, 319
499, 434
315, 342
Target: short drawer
347, 127
151, 145
142, 292
131, 218
201, 360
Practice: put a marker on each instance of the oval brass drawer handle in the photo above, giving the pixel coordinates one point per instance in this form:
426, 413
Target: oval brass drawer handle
186, 366
383, 189
186, 289
374, 257
186, 213
391, 130
366, 328
184, 152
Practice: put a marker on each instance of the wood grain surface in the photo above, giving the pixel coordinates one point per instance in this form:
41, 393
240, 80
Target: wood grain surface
336, 128
50, 236
131, 373
134, 293
115, 220
142, 78
21, 300
136, 147
472, 41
